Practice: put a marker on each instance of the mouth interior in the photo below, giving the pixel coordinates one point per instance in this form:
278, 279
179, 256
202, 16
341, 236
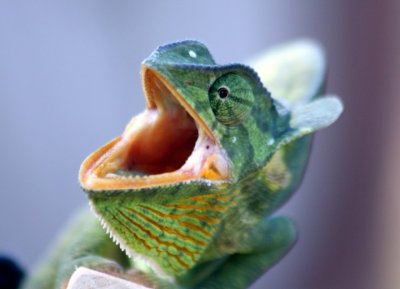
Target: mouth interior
167, 141
165, 144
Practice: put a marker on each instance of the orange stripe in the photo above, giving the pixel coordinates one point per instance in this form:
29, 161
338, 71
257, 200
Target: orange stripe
146, 245
171, 231
196, 207
133, 233
182, 263
178, 215
196, 228
159, 241
189, 225
202, 198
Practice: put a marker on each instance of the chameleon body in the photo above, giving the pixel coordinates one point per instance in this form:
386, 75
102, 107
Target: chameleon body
187, 191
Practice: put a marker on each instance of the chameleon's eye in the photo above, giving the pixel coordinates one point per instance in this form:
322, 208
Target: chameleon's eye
223, 92
231, 98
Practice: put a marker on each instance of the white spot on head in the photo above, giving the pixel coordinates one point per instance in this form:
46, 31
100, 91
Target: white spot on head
233, 139
192, 54
271, 141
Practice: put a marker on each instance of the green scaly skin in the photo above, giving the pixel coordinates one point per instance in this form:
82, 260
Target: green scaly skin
204, 232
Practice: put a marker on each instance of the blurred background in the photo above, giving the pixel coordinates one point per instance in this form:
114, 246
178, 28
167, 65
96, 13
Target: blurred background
69, 82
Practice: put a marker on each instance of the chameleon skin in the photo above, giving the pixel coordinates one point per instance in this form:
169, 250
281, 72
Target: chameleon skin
82, 243
206, 225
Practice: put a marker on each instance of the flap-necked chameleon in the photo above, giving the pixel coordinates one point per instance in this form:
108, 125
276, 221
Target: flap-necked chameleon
188, 189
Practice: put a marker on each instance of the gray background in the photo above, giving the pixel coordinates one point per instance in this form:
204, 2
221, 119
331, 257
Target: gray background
69, 82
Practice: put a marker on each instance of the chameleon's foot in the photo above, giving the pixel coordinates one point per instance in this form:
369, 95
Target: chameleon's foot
84, 278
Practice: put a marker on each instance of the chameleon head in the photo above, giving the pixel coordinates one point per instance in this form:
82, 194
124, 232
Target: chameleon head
163, 188
201, 118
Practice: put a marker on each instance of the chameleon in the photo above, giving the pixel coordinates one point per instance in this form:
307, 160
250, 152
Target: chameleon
185, 196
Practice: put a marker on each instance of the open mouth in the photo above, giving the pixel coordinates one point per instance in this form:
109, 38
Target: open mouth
166, 144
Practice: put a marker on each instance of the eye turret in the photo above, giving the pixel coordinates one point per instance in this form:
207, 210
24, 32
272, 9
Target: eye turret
231, 98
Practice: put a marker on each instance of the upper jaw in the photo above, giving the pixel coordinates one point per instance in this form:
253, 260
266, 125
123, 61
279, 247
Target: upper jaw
166, 144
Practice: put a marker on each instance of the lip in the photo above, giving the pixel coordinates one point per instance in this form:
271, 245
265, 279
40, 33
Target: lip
166, 144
